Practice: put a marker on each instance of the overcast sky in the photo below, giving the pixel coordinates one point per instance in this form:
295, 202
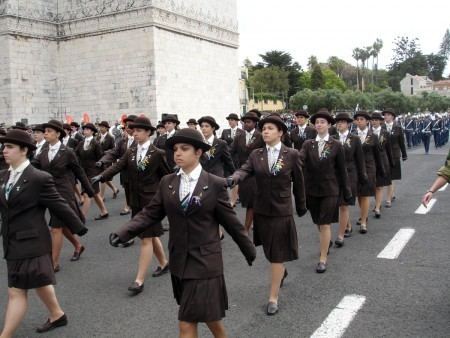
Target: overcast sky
335, 27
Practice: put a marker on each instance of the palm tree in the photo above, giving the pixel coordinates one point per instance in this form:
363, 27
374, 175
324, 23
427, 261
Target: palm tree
364, 56
357, 56
376, 48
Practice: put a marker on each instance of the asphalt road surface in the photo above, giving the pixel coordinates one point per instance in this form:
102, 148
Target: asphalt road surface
404, 297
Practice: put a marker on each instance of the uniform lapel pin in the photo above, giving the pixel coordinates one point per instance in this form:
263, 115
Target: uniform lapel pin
205, 187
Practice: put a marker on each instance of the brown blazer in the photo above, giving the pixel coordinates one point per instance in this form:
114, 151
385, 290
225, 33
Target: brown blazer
397, 141
241, 151
274, 186
89, 157
325, 176
108, 142
24, 227
372, 157
194, 245
354, 158
226, 135
142, 181
297, 140
218, 160
160, 143
111, 156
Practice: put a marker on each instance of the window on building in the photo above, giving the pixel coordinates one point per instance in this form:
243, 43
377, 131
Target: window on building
412, 81
412, 91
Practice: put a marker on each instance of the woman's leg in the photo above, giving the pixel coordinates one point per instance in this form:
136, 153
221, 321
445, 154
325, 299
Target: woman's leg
102, 190
15, 311
158, 250
48, 297
112, 187
248, 219
86, 205
344, 217
57, 243
101, 205
364, 203
325, 238
74, 239
145, 258
378, 198
188, 330
217, 329
276, 275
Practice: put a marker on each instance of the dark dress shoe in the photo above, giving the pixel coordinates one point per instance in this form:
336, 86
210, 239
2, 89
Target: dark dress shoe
348, 233
115, 194
61, 321
377, 214
272, 308
358, 222
100, 217
321, 267
363, 229
135, 288
127, 244
123, 212
339, 243
56, 268
284, 277
159, 272
388, 204
77, 254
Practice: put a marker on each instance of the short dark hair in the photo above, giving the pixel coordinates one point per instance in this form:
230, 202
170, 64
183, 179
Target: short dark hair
29, 151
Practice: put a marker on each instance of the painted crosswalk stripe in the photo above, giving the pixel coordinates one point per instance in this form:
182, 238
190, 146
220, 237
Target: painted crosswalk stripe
396, 245
340, 318
444, 187
422, 210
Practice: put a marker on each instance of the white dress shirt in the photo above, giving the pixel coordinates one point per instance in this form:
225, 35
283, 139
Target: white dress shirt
130, 141
87, 142
14, 175
376, 131
321, 141
53, 150
362, 134
210, 140
389, 126
65, 140
272, 154
233, 132
188, 181
343, 137
102, 137
170, 134
142, 151
249, 135
39, 147
301, 130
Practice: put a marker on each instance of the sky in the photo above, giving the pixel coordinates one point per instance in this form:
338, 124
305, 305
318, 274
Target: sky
336, 27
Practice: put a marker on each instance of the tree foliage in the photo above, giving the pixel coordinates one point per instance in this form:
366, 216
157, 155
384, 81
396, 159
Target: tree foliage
317, 78
270, 80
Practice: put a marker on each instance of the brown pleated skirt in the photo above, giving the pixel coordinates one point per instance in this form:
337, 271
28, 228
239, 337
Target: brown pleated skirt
31, 273
200, 300
323, 210
247, 192
368, 189
396, 171
277, 235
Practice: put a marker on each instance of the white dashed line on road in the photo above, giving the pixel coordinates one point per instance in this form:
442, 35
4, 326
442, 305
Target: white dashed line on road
396, 245
422, 210
444, 187
340, 318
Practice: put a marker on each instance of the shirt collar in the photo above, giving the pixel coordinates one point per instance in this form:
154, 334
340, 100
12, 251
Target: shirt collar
170, 134
389, 124
343, 134
145, 145
250, 132
235, 128
326, 138
20, 168
277, 147
55, 146
195, 174
376, 129
40, 144
210, 140
363, 131
88, 139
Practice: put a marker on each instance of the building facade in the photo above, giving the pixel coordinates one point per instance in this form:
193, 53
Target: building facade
61, 58
412, 85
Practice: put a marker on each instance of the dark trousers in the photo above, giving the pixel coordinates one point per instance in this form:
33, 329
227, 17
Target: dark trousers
426, 141
409, 138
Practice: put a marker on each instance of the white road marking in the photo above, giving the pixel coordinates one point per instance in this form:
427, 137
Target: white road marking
340, 318
444, 187
396, 245
422, 210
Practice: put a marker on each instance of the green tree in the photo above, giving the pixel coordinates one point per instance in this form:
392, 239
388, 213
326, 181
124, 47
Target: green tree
276, 58
270, 80
337, 65
332, 80
312, 62
445, 44
375, 52
317, 78
357, 56
304, 80
436, 65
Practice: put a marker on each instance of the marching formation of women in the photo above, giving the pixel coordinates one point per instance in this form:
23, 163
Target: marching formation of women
326, 165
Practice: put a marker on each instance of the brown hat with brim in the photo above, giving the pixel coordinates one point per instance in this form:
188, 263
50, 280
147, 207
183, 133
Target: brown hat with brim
389, 111
142, 122
38, 127
170, 118
19, 137
343, 117
275, 119
322, 113
19, 126
55, 125
192, 121
377, 116
104, 124
91, 127
233, 116
210, 120
188, 136
250, 116
362, 114
303, 113
75, 124
129, 118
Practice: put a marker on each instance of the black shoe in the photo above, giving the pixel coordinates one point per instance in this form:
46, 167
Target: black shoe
321, 267
272, 308
127, 244
116, 193
123, 212
135, 288
56, 268
377, 214
100, 217
348, 233
222, 236
284, 277
363, 229
77, 254
159, 272
358, 222
339, 243
61, 321
388, 204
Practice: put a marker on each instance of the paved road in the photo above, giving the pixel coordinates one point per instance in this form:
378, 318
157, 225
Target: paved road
405, 297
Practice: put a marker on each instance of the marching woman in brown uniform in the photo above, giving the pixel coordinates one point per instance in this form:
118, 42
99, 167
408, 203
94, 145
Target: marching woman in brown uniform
62, 163
386, 158
195, 202
356, 171
146, 165
373, 162
25, 194
241, 148
89, 152
278, 173
325, 180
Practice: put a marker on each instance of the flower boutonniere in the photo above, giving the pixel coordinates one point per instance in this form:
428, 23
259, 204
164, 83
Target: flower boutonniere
142, 165
276, 168
250, 142
325, 152
381, 138
348, 142
368, 139
196, 200
211, 152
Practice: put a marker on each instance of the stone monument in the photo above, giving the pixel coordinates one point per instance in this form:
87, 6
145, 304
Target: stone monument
106, 58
